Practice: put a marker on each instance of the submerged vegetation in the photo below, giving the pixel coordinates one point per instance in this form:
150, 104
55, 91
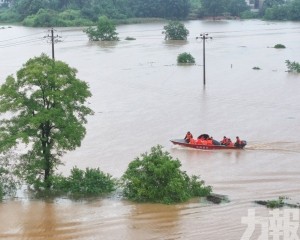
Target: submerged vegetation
278, 203
175, 30
156, 177
104, 31
91, 182
185, 58
293, 66
279, 46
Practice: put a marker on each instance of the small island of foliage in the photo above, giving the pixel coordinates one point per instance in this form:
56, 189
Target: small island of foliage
185, 58
293, 66
51, 13
156, 177
279, 46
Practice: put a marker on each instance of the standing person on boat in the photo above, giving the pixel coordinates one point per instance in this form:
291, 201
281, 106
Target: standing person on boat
188, 137
238, 142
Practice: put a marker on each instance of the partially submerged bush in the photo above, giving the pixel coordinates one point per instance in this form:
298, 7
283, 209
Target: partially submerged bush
277, 203
156, 177
84, 183
293, 66
185, 58
175, 31
130, 38
105, 30
279, 46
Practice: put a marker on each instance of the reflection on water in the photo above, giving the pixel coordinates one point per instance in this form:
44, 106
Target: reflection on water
142, 98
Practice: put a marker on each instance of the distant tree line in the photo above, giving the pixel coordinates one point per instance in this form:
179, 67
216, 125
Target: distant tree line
87, 12
281, 10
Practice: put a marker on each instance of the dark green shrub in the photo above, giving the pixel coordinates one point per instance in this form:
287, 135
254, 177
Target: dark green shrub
156, 177
185, 58
279, 46
89, 182
276, 203
293, 66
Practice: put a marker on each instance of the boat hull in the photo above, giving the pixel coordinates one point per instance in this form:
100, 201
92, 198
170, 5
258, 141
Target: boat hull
182, 142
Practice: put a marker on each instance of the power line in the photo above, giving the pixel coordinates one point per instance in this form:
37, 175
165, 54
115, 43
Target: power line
20, 43
21, 37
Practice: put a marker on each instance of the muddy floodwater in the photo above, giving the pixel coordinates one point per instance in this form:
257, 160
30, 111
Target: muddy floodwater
142, 98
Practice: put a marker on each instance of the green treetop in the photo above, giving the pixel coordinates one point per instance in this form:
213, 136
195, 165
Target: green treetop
175, 31
44, 109
105, 31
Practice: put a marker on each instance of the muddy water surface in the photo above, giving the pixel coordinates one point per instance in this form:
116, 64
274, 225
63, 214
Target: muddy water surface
142, 98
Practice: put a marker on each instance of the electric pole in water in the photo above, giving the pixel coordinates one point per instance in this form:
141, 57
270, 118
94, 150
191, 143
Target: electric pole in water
53, 39
204, 37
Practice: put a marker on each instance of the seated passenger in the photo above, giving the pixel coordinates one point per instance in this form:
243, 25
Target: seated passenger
192, 141
229, 143
188, 137
224, 140
209, 141
238, 142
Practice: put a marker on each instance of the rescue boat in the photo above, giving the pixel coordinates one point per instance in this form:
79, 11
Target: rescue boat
215, 145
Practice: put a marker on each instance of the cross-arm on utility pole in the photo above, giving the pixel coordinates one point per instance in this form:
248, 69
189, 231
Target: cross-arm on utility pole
53, 39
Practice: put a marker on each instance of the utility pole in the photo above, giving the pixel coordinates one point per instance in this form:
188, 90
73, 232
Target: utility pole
52, 43
53, 40
204, 37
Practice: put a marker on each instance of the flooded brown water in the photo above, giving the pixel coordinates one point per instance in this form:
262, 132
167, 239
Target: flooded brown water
141, 98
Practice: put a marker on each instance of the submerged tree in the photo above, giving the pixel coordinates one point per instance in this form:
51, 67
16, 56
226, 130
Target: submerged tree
185, 58
44, 112
293, 66
175, 31
105, 31
156, 177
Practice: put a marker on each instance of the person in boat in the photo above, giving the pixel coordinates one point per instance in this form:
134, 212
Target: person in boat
229, 143
238, 142
224, 141
209, 141
188, 136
